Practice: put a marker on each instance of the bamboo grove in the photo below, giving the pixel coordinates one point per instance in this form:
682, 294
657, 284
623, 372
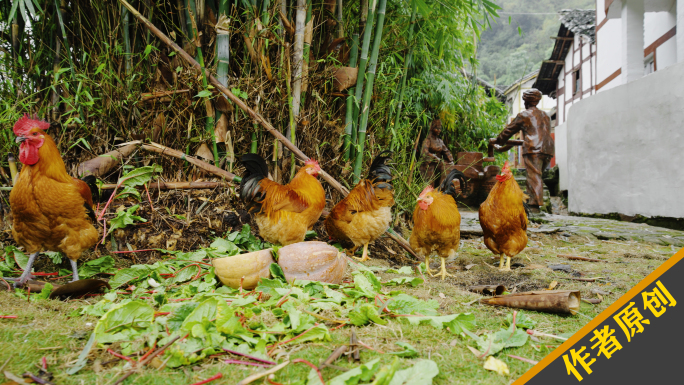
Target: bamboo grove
103, 78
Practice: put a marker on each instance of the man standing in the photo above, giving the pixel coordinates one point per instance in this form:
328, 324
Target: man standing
538, 147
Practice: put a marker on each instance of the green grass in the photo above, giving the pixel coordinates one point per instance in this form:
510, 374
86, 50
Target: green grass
44, 328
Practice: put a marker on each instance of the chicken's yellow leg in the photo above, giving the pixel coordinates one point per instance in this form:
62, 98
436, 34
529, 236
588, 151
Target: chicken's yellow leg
443, 272
427, 265
364, 255
503, 266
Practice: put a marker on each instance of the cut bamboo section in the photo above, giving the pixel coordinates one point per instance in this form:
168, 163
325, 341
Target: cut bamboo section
104, 163
554, 301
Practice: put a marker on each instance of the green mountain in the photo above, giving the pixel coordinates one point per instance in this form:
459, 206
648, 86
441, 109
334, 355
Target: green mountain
520, 39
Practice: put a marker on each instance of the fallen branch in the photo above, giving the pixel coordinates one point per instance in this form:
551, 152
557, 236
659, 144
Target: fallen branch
159, 185
253, 115
161, 149
578, 258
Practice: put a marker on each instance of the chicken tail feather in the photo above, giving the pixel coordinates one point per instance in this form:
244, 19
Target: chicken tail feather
527, 208
250, 188
379, 171
447, 186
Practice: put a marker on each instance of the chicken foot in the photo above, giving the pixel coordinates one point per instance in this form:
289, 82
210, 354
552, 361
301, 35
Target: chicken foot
364, 255
26, 275
443, 272
507, 266
427, 266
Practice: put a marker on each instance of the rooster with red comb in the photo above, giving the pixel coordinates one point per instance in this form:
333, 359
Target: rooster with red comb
49, 207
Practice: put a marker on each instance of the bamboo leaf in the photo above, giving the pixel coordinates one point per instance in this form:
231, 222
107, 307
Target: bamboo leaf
13, 11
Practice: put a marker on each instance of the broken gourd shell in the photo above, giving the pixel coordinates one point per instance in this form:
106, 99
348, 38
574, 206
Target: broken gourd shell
252, 266
312, 261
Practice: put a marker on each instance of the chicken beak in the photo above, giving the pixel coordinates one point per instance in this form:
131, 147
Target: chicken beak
20, 139
420, 199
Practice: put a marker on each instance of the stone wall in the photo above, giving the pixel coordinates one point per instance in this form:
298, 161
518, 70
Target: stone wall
626, 148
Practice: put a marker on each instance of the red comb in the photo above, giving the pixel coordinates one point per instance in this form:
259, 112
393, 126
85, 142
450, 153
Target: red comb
26, 124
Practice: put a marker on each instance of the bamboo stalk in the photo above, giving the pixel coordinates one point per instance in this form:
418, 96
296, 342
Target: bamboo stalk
363, 60
55, 79
369, 90
407, 63
340, 19
58, 10
127, 40
298, 67
349, 112
195, 37
238, 102
308, 36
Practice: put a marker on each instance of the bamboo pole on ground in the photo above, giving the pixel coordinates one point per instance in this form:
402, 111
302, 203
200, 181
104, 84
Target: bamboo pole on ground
369, 90
265, 124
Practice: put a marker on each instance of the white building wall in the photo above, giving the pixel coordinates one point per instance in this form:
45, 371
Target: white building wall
624, 148
608, 50
609, 40
656, 24
561, 141
666, 54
